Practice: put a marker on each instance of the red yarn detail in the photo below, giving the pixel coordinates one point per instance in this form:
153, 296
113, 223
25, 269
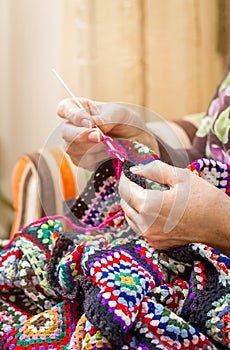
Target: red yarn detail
118, 150
117, 164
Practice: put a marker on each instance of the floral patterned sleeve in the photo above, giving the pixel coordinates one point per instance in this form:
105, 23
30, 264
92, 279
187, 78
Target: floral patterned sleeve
212, 139
215, 127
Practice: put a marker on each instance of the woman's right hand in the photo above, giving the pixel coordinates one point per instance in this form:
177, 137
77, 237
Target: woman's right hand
115, 120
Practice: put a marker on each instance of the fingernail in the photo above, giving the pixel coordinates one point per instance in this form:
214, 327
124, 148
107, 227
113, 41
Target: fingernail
94, 136
98, 136
87, 123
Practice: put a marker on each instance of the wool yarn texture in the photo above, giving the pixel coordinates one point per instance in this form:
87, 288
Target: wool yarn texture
108, 288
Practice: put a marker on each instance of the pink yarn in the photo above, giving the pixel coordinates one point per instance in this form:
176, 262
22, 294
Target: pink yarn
79, 228
118, 149
117, 163
118, 169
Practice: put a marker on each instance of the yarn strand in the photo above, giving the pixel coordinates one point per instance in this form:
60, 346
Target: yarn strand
79, 228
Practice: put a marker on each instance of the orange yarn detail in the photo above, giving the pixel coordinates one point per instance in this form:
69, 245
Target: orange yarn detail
66, 174
68, 181
33, 328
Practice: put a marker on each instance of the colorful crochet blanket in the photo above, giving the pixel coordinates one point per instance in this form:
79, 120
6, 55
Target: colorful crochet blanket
106, 288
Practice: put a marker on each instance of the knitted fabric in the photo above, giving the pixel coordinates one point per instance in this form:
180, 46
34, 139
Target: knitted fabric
109, 289
215, 172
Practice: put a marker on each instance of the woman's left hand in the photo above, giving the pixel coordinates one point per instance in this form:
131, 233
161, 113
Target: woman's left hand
192, 210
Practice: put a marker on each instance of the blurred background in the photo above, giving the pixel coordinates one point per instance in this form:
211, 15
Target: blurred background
167, 55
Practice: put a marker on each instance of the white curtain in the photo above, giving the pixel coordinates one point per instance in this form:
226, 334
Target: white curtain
161, 54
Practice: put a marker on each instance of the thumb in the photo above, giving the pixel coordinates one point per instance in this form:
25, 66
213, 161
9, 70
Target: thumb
157, 171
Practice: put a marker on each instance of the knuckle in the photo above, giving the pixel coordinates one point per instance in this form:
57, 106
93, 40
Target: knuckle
72, 111
142, 207
63, 133
62, 106
184, 174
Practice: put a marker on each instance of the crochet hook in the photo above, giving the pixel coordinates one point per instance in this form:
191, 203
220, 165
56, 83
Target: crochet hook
79, 104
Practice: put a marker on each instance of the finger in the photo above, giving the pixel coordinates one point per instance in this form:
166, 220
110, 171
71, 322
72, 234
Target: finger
159, 172
160, 242
111, 114
150, 204
90, 163
72, 133
78, 149
92, 106
64, 104
68, 109
90, 160
86, 159
130, 215
94, 136
133, 226
144, 202
131, 193
141, 223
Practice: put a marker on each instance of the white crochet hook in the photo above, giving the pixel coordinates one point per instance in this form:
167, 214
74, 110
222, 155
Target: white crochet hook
79, 104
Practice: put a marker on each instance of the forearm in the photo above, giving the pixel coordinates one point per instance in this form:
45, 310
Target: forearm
178, 157
171, 136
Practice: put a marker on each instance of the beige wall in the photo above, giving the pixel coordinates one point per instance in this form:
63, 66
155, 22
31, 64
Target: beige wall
30, 46
31, 32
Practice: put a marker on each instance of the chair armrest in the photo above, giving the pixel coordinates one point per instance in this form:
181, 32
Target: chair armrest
41, 181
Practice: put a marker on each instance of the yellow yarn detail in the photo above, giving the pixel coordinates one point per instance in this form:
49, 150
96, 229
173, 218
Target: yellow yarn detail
39, 325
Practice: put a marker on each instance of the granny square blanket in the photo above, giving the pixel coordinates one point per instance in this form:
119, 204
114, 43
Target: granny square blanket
107, 288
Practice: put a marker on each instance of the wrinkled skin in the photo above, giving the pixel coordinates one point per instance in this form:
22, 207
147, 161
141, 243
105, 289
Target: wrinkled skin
83, 139
192, 210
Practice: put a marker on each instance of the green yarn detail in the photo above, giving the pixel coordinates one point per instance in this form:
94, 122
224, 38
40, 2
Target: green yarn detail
18, 334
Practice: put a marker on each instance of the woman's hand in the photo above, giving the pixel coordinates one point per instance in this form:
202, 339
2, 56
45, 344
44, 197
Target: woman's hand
115, 120
192, 210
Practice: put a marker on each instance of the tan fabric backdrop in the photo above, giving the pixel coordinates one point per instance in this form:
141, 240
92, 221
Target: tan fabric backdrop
158, 53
